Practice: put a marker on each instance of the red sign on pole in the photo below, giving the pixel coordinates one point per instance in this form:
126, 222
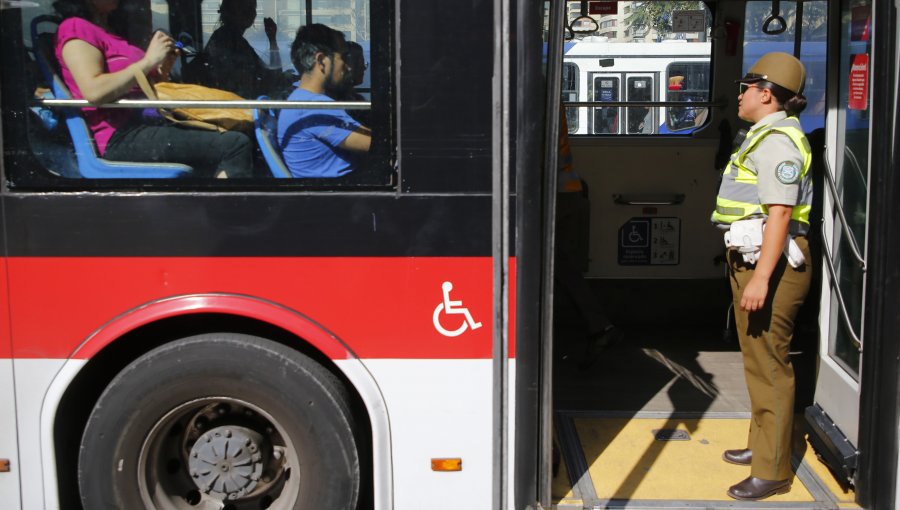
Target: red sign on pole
603, 8
858, 97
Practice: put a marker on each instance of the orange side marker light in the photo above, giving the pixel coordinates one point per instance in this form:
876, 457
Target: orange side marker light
446, 464
4, 466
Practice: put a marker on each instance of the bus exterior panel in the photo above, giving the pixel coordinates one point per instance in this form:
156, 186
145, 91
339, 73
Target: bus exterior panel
99, 301
417, 406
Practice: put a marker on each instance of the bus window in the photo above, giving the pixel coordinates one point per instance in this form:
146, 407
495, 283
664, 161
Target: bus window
640, 119
687, 82
813, 38
638, 39
73, 146
570, 94
606, 119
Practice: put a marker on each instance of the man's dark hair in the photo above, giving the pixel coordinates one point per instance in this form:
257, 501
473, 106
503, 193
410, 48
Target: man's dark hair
312, 39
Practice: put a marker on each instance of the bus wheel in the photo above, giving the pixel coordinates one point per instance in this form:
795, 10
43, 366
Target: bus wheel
221, 421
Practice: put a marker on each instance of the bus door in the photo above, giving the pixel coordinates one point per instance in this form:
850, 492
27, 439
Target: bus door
605, 87
845, 200
640, 120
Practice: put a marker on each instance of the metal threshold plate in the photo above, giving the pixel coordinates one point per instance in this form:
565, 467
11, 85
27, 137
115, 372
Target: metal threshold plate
671, 435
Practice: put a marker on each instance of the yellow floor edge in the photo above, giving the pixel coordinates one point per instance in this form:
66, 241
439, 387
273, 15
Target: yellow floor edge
626, 462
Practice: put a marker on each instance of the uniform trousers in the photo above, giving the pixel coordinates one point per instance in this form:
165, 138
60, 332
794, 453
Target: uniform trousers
765, 337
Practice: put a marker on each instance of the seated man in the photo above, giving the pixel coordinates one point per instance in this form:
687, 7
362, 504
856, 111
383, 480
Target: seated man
316, 142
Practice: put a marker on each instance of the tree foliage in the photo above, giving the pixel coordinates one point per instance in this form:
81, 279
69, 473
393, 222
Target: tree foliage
658, 15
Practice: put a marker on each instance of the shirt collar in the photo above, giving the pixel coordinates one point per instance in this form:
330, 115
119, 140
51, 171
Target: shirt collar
769, 119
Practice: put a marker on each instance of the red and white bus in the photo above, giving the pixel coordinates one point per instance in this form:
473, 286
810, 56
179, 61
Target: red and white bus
393, 339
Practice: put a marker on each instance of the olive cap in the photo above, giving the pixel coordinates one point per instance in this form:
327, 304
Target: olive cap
782, 69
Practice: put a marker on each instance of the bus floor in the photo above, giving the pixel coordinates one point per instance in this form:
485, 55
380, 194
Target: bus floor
646, 424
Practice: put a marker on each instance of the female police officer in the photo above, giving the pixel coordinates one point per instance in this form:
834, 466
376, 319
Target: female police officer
763, 205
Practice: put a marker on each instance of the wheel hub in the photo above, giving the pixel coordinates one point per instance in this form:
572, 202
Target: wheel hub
226, 462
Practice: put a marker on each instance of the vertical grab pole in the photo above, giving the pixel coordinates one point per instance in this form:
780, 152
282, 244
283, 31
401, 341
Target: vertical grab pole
798, 29
500, 253
551, 156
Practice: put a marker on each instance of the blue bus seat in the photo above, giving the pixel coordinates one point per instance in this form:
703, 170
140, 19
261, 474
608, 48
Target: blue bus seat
90, 164
265, 126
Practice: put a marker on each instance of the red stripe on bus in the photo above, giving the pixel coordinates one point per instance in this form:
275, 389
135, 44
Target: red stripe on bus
379, 307
5, 342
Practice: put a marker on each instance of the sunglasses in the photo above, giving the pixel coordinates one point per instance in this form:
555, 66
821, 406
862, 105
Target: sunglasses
744, 86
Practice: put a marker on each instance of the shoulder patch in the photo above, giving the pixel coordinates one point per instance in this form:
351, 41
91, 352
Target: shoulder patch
787, 172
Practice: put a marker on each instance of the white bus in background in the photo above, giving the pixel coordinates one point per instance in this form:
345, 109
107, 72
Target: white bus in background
669, 71
614, 72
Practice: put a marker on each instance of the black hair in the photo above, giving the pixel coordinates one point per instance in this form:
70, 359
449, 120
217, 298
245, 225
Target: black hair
79, 9
227, 8
312, 39
790, 102
72, 9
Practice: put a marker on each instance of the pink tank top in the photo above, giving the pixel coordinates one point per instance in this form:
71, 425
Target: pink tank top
118, 54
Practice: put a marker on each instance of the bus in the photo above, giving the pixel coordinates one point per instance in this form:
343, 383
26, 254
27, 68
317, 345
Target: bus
393, 338
603, 71
671, 71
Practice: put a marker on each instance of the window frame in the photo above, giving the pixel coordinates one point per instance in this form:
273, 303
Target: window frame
24, 170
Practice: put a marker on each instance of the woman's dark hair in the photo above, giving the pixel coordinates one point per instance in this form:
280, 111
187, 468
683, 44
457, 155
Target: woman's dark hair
72, 9
79, 9
229, 11
791, 103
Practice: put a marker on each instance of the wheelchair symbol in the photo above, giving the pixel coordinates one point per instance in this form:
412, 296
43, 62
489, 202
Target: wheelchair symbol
635, 237
450, 307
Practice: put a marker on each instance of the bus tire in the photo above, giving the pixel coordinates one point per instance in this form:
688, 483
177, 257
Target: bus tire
221, 421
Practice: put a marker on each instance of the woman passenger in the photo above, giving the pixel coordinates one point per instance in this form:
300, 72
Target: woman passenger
99, 65
233, 63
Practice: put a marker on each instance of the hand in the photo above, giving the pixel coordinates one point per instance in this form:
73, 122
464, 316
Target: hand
165, 68
161, 47
754, 296
271, 28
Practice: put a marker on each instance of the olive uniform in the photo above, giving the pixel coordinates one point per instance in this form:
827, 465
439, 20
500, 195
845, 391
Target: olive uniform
771, 167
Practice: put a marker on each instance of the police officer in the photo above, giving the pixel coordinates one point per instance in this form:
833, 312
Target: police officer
763, 205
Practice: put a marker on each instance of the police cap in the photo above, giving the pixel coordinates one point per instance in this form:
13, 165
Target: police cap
779, 68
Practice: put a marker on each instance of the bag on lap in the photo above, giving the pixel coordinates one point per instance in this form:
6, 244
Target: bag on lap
213, 119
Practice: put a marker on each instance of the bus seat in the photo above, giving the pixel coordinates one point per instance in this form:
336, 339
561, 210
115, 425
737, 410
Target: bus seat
265, 126
90, 164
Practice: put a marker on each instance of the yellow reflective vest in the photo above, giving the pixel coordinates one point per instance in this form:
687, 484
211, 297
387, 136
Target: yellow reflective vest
738, 198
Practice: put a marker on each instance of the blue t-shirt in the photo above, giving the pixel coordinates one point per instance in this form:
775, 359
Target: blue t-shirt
309, 139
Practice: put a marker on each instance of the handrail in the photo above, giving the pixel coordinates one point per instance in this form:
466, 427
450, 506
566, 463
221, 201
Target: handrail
848, 153
775, 16
840, 295
582, 18
648, 199
147, 103
680, 104
327, 105
584, 15
854, 246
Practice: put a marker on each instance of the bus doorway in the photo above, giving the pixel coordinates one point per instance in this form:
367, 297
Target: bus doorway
645, 421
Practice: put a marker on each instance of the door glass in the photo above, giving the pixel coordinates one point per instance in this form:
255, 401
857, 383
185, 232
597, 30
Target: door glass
640, 119
851, 175
606, 119
813, 39
569, 92
628, 38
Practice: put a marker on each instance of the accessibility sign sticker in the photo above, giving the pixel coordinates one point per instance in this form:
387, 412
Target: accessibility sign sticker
650, 242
